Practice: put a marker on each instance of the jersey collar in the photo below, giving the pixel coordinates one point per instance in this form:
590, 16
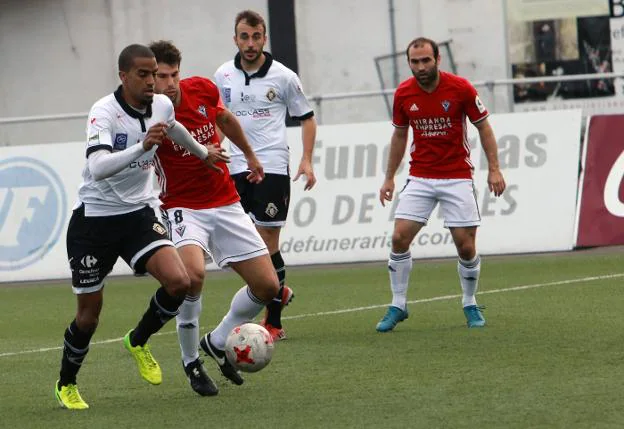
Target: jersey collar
262, 72
128, 109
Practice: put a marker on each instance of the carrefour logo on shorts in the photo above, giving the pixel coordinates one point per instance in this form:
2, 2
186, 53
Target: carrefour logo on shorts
32, 211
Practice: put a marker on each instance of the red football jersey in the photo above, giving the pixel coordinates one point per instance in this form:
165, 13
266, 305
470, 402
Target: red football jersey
440, 148
185, 181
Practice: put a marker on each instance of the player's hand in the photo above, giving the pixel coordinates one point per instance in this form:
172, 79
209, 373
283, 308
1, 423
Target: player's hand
305, 168
256, 171
386, 191
496, 182
216, 154
154, 136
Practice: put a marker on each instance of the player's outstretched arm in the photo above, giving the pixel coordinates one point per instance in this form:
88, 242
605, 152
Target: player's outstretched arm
210, 154
229, 125
398, 143
308, 136
496, 181
103, 164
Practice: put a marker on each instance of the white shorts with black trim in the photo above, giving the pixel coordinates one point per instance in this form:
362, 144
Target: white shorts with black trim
457, 198
226, 233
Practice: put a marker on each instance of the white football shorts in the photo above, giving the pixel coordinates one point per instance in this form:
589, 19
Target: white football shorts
227, 234
457, 198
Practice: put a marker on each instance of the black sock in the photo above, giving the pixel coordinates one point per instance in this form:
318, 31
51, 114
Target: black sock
274, 313
163, 307
75, 348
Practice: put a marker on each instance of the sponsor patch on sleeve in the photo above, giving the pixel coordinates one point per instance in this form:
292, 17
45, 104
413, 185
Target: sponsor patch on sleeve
479, 104
94, 139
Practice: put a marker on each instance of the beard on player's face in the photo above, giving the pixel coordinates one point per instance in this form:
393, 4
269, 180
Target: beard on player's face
147, 99
145, 96
250, 55
427, 76
173, 94
141, 94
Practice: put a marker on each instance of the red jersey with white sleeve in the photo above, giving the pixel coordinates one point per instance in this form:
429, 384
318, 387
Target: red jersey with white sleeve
185, 180
440, 149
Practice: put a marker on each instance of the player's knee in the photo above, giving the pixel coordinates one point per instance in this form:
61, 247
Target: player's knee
197, 280
270, 236
87, 321
466, 251
266, 288
178, 284
400, 241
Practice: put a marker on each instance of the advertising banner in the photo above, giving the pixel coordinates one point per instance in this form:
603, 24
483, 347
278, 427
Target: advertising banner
601, 194
341, 219
38, 188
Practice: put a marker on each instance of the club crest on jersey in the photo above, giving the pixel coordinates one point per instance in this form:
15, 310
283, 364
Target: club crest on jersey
227, 94
202, 109
271, 94
445, 105
180, 230
159, 229
271, 210
120, 142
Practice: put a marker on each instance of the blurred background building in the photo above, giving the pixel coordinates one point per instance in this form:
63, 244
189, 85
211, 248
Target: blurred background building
59, 56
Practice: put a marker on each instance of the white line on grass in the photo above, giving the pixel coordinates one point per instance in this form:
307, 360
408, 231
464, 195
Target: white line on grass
446, 297
369, 307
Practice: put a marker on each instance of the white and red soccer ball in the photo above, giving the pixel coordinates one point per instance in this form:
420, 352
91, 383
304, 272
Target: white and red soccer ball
249, 347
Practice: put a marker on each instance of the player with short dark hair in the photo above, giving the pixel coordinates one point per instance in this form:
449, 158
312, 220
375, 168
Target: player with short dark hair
206, 218
420, 42
253, 19
436, 104
260, 91
115, 216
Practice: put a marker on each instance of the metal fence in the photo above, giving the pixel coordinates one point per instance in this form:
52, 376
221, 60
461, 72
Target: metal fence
497, 95
487, 88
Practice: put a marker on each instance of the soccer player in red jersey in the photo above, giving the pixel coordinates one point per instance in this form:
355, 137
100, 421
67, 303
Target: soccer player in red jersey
206, 218
435, 104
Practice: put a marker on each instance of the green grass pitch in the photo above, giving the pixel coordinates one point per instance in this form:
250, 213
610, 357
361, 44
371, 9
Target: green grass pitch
550, 356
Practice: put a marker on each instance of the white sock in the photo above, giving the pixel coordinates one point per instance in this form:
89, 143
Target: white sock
245, 306
469, 279
187, 323
399, 267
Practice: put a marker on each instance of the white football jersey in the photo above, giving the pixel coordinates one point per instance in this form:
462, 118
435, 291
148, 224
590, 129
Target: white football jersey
260, 102
114, 125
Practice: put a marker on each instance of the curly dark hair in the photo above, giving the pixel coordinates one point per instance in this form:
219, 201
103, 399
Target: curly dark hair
166, 52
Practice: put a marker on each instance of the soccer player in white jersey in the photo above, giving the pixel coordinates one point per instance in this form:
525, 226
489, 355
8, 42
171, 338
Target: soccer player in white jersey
259, 91
114, 216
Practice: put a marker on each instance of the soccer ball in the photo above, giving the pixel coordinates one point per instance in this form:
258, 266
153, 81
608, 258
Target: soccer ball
249, 347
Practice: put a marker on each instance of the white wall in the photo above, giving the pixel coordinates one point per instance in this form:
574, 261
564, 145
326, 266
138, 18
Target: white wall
59, 56
338, 41
53, 54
